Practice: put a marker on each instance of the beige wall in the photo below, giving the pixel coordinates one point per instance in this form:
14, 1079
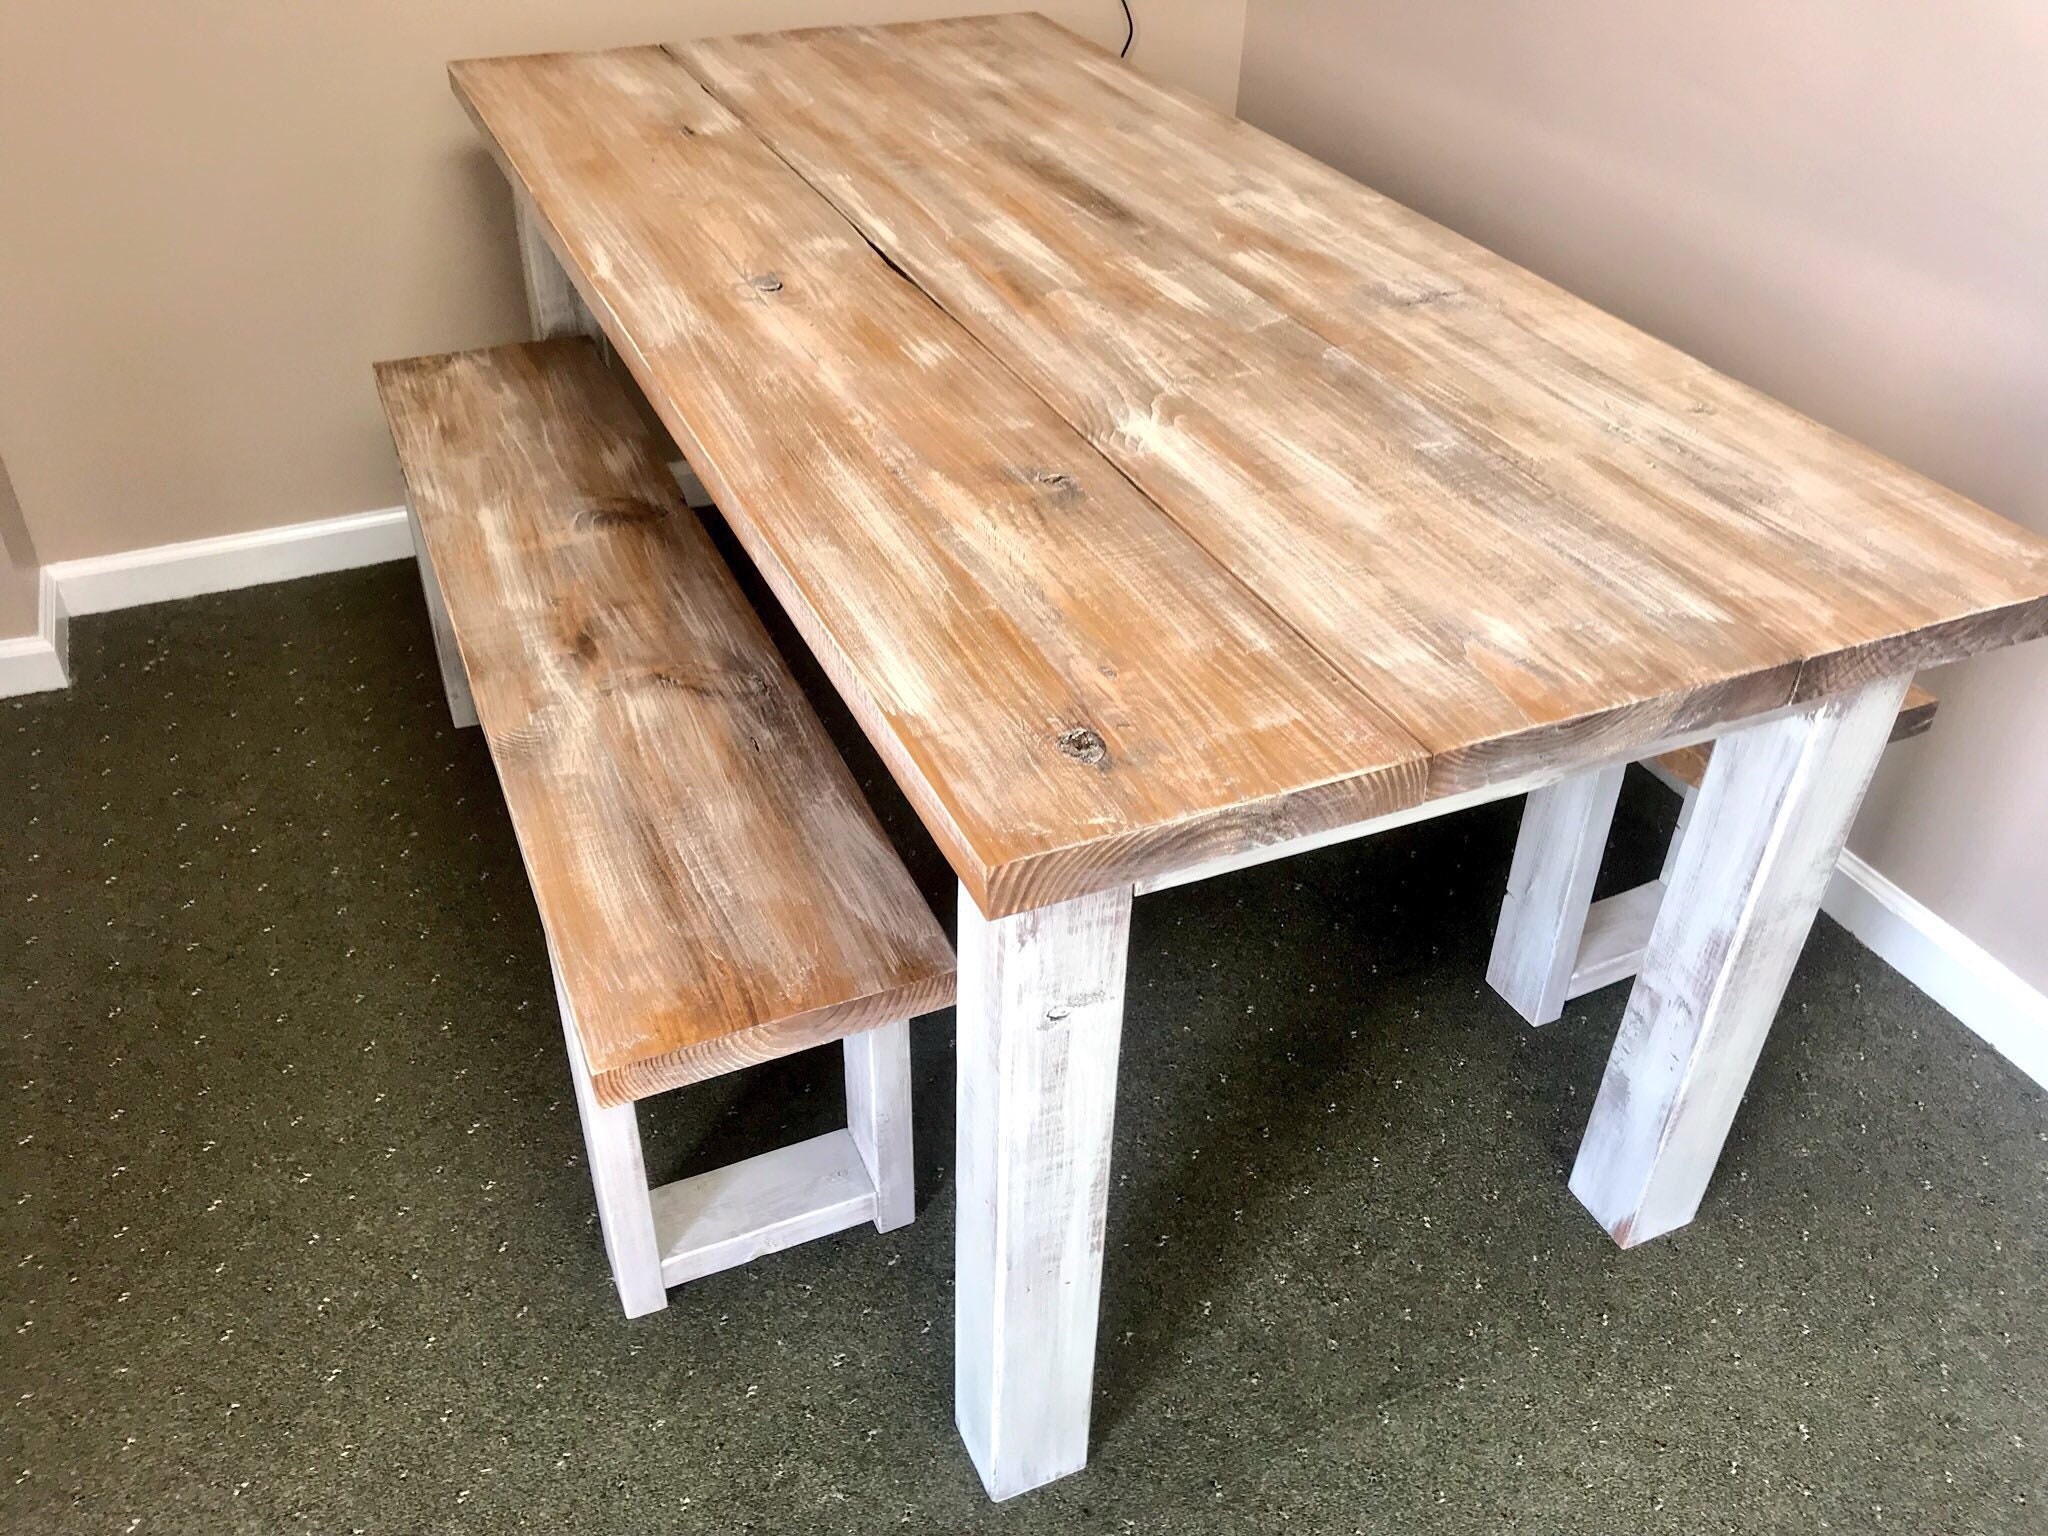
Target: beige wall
218, 212
1844, 202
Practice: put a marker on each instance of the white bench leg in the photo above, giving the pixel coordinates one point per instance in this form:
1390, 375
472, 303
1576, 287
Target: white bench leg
552, 302
1769, 824
618, 1173
878, 1115
454, 679
1041, 1010
657, 1238
1550, 889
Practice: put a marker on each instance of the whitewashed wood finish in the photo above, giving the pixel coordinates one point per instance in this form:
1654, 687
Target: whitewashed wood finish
1069, 690
715, 886
713, 889
553, 305
1773, 813
863, 454
1617, 930
1293, 847
1550, 886
1503, 633
1616, 933
1983, 993
761, 1205
1524, 783
454, 678
1585, 553
879, 1117
1041, 1013
680, 1231
1684, 767
618, 1176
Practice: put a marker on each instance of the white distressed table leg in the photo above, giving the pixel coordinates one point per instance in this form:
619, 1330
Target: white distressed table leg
1041, 1011
1550, 888
618, 1174
1771, 818
878, 1115
552, 302
454, 678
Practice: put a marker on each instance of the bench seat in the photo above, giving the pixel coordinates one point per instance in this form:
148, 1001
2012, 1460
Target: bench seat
714, 890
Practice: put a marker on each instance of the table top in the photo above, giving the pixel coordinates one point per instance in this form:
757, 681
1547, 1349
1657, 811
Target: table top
1152, 491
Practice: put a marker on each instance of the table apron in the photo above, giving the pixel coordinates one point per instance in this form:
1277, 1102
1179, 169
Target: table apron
1446, 805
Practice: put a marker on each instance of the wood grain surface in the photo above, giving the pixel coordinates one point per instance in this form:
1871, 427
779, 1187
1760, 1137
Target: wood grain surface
1072, 692
1517, 523
714, 888
1095, 442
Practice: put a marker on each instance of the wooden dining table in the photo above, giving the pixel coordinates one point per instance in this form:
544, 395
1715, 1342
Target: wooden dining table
1160, 501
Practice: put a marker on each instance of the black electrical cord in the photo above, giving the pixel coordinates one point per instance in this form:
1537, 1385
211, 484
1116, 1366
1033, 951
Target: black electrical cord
1130, 29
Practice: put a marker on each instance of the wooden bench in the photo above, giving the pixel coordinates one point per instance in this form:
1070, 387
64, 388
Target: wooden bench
1554, 942
714, 890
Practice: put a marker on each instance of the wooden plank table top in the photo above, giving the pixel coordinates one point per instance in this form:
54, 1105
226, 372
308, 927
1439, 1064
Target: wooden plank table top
1069, 688
1164, 492
1506, 515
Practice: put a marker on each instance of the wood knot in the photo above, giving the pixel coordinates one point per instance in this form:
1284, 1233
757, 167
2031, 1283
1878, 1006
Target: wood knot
612, 511
1083, 744
734, 687
767, 282
639, 677
1060, 485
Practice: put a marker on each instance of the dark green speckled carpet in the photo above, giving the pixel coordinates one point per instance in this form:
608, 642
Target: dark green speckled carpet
298, 1237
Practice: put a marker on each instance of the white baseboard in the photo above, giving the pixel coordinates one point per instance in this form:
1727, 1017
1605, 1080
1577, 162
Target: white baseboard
41, 661
168, 571
1990, 999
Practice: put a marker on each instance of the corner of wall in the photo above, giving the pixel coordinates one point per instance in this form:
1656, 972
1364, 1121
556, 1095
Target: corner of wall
38, 662
1243, 23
